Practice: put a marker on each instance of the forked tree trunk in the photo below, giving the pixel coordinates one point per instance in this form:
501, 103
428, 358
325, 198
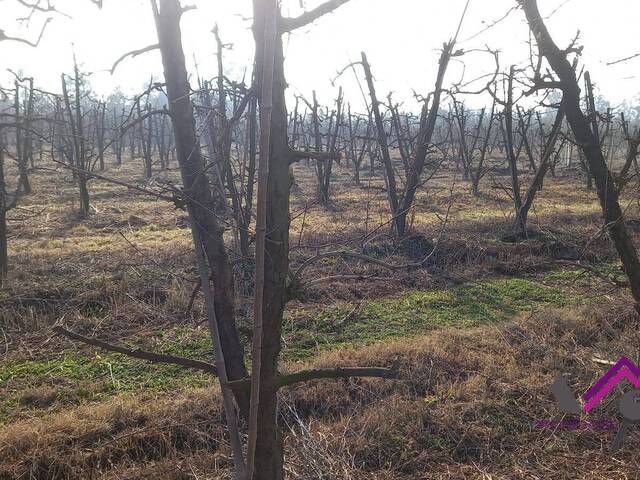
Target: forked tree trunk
265, 453
480, 169
117, 140
145, 142
512, 157
196, 185
80, 142
589, 144
392, 190
427, 127
631, 157
366, 143
536, 184
77, 136
333, 142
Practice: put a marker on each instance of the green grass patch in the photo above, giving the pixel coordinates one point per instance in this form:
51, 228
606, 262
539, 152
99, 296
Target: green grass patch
416, 313
79, 378
594, 273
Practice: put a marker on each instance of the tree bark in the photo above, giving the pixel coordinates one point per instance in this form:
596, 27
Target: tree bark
265, 454
392, 190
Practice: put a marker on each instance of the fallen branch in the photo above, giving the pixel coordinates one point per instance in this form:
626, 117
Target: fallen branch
333, 373
334, 278
322, 374
137, 353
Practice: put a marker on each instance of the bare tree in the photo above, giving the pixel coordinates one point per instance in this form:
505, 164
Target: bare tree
587, 139
6, 203
400, 205
76, 123
207, 233
476, 169
265, 454
631, 156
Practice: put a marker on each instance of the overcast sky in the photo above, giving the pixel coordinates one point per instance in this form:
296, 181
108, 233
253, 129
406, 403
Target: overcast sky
401, 38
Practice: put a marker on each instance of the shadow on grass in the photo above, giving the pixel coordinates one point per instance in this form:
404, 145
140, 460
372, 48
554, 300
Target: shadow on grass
93, 376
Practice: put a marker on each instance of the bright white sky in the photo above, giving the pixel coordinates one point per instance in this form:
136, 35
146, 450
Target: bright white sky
401, 38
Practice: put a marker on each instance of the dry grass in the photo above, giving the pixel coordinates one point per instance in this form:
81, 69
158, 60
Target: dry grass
468, 401
465, 406
465, 402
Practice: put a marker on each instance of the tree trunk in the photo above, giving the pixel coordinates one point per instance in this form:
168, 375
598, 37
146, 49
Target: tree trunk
427, 127
77, 135
536, 184
100, 127
589, 144
4, 259
265, 440
512, 157
333, 141
197, 187
21, 154
392, 191
84, 194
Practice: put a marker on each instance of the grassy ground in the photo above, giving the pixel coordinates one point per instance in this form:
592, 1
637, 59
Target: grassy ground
459, 328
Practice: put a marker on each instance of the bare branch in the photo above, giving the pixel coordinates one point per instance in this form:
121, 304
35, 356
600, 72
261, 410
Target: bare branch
322, 374
176, 200
4, 36
630, 57
491, 25
137, 353
36, 7
290, 24
134, 53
